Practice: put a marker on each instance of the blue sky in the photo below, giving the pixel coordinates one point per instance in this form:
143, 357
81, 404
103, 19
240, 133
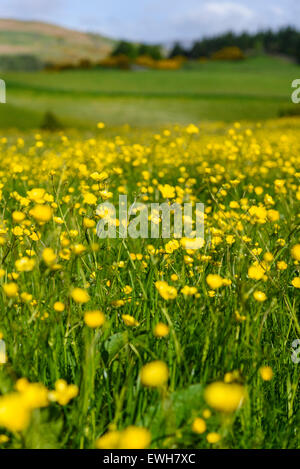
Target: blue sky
157, 20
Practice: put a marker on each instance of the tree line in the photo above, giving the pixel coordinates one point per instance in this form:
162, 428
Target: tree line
284, 41
132, 51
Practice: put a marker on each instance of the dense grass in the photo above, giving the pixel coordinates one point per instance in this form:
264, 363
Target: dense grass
214, 333
255, 89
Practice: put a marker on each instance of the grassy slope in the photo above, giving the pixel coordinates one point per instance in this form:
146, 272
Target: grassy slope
253, 90
50, 42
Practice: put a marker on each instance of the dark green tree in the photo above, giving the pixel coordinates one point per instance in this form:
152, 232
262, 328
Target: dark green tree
177, 50
125, 48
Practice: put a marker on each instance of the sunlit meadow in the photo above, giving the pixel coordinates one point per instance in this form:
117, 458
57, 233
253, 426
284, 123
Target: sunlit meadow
145, 343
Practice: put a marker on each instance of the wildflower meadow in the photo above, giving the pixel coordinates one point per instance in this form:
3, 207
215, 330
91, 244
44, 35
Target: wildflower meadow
120, 343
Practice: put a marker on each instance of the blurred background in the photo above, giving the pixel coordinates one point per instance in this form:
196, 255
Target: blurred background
147, 62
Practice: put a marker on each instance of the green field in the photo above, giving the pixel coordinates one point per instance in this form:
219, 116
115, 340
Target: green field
251, 90
143, 342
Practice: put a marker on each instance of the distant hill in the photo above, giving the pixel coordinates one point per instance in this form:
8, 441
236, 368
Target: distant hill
32, 44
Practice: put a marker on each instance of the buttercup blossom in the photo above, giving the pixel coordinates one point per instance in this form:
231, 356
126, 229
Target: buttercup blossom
94, 319
266, 373
214, 281
132, 437
41, 213
63, 392
166, 291
199, 426
295, 251
154, 374
79, 295
161, 330
225, 397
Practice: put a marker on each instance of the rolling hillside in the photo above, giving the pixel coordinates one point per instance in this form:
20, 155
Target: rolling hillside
42, 42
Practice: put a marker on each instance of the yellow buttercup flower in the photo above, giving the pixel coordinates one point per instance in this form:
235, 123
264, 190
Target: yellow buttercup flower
199, 426
226, 282
49, 256
166, 291
256, 272
99, 176
225, 397
206, 414
78, 249
259, 296
268, 257
130, 320
192, 129
172, 246
154, 374
296, 282
167, 191
17, 231
127, 289
213, 437
41, 213
88, 223
295, 251
59, 306
188, 291
10, 289
192, 243
14, 413
131, 437
266, 373
161, 330
35, 395
281, 265
110, 440
118, 303
18, 217
273, 215
258, 214
79, 295
94, 319
214, 281
63, 392
37, 195
134, 438
26, 297
25, 264
89, 199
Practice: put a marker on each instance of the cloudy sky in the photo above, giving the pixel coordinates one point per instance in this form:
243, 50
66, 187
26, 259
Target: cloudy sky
157, 20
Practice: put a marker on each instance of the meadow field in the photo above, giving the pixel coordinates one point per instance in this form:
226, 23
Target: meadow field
150, 343
254, 89
136, 343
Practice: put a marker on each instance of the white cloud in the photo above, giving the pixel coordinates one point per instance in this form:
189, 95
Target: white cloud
228, 9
